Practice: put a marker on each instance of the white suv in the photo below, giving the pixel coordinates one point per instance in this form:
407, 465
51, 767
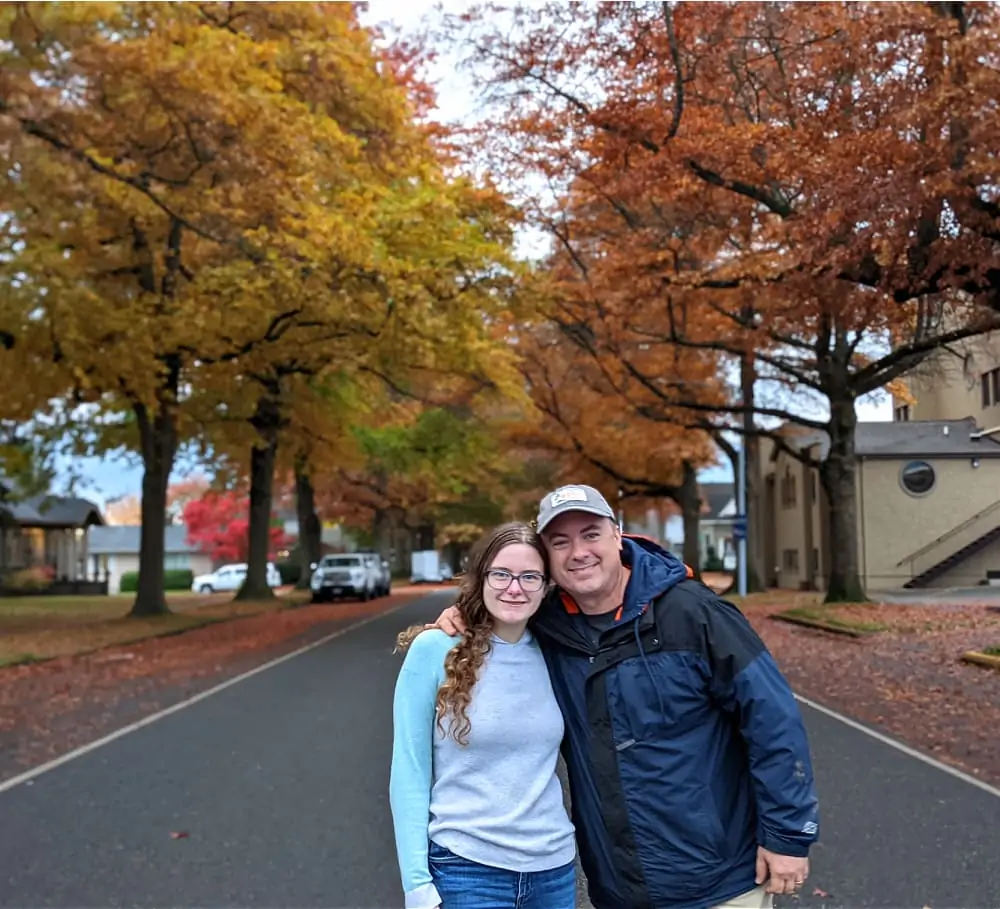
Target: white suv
347, 574
231, 577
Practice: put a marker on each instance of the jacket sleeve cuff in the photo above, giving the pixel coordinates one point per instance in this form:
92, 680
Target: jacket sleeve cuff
423, 897
783, 845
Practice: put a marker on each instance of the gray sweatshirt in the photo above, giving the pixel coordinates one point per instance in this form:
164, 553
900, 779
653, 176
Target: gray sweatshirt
497, 800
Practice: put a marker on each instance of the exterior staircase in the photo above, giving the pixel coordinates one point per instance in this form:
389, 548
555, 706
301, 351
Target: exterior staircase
969, 537
935, 571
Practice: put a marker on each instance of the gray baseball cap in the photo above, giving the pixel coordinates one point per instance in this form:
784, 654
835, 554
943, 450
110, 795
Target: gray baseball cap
572, 498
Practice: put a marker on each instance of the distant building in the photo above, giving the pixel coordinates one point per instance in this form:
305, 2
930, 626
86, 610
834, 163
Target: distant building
928, 497
114, 551
45, 531
665, 524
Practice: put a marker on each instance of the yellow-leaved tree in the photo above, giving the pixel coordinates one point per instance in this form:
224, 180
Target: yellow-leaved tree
205, 201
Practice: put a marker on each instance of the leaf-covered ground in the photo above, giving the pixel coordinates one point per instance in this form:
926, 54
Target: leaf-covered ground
907, 681
49, 708
39, 628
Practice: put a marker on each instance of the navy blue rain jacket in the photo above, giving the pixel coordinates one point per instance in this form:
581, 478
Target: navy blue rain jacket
684, 745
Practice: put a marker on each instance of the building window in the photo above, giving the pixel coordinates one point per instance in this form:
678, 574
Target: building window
790, 560
788, 496
989, 385
917, 478
902, 413
176, 561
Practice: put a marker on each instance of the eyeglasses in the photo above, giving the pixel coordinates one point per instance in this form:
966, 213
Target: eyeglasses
530, 581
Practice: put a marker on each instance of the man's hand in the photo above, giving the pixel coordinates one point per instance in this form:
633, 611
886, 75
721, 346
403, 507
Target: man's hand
450, 622
783, 873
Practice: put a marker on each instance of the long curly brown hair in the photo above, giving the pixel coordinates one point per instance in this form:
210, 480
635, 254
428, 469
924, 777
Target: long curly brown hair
464, 661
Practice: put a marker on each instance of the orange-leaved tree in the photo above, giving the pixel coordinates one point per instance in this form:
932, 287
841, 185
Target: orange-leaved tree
805, 188
589, 418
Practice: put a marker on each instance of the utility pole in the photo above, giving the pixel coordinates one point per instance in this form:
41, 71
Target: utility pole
740, 524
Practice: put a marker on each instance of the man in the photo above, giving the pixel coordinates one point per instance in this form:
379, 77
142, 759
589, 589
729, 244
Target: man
689, 769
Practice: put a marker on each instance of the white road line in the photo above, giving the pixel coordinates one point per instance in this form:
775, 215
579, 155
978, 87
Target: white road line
899, 746
22, 778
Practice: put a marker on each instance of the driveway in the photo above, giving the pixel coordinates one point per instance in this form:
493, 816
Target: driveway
272, 793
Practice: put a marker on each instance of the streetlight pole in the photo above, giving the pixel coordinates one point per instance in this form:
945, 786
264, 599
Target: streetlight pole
741, 518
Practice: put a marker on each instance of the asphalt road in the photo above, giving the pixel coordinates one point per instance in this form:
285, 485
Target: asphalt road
280, 782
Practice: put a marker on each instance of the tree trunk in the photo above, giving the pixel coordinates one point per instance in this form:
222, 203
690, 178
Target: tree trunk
689, 500
158, 441
424, 537
310, 528
838, 475
754, 499
266, 421
382, 534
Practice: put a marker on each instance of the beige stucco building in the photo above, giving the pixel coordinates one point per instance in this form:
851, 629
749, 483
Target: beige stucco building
961, 382
928, 486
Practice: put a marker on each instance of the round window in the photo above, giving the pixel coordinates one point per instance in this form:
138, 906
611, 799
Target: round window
917, 478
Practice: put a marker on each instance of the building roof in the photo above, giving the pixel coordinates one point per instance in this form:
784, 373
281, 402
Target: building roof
925, 438
910, 439
53, 511
125, 539
715, 497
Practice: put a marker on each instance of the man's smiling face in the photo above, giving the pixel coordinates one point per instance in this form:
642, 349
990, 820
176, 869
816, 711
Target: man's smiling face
584, 552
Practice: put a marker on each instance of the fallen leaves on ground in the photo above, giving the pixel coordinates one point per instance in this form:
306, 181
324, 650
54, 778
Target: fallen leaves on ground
907, 681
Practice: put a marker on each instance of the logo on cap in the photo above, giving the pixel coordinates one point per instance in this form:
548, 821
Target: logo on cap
569, 494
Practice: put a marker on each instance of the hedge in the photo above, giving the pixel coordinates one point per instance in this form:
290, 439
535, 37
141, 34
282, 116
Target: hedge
173, 579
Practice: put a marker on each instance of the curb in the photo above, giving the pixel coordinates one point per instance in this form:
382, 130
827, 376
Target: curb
979, 658
821, 626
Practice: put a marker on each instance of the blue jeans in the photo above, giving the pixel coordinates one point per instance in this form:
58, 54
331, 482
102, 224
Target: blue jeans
468, 885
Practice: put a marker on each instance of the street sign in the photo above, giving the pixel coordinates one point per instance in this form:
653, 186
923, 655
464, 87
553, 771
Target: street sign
740, 527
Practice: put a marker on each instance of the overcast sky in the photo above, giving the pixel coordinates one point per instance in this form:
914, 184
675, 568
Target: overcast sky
101, 480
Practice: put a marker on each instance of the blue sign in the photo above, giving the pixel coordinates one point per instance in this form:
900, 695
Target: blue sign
740, 527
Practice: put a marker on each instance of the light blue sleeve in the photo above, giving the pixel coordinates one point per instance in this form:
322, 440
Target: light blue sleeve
412, 773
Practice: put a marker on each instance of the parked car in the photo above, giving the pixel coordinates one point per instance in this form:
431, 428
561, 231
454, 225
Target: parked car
352, 574
231, 577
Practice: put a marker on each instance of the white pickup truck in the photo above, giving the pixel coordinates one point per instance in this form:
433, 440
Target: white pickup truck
349, 574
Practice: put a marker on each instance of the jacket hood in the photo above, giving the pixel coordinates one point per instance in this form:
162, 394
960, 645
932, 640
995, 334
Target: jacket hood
654, 572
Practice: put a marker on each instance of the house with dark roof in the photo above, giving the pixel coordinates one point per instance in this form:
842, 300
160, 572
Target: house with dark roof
663, 522
45, 531
718, 509
115, 550
928, 502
